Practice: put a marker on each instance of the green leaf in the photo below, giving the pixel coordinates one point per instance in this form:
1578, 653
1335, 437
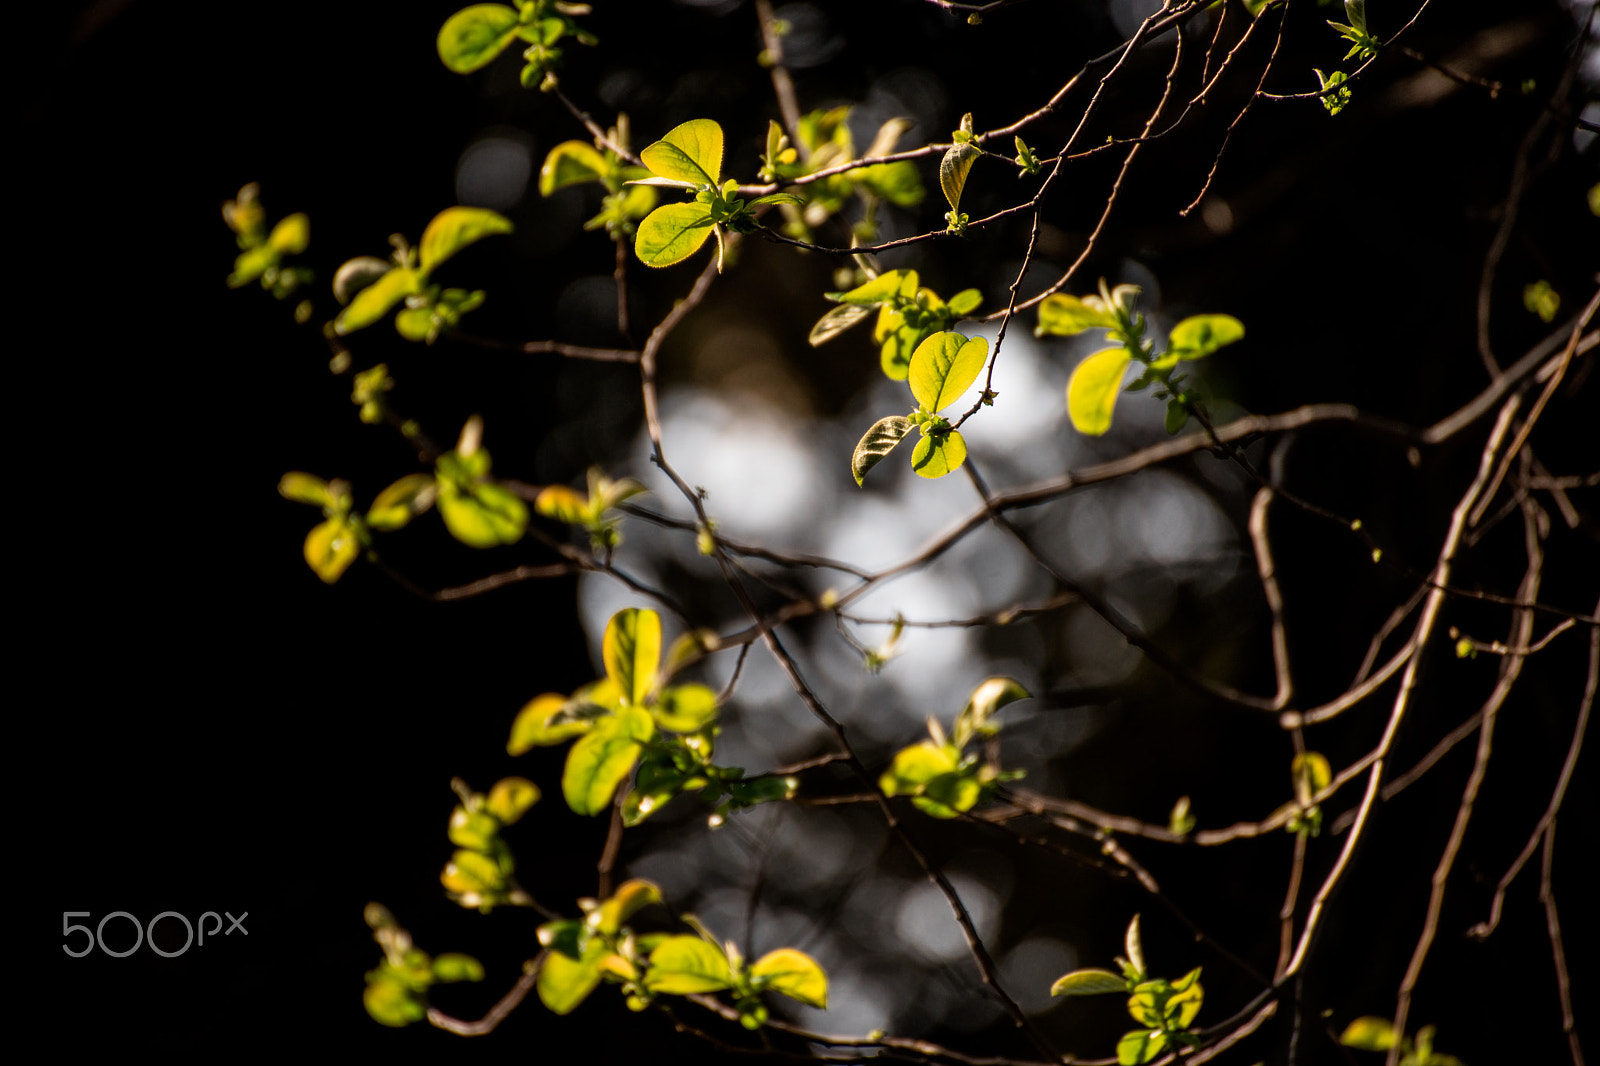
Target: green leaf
510, 799
778, 198
453, 229
482, 515
884, 288
400, 502
953, 170
1200, 335
1088, 983
835, 322
990, 695
1140, 1046
795, 974
603, 758
565, 982
878, 442
939, 454
570, 163
391, 1003
691, 153
532, 727
304, 488
631, 650
672, 233
1369, 1034
948, 795
899, 183
457, 967
1064, 316
1311, 772
965, 302
1092, 390
473, 36
943, 367
290, 236
331, 547
915, 766
632, 897
686, 708
684, 965
377, 299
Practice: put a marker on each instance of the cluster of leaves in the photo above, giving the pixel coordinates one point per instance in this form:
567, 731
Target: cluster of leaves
397, 989
591, 513
632, 718
942, 369
1378, 1034
1363, 46
942, 778
578, 163
689, 157
371, 287
580, 953
261, 252
825, 143
1095, 383
1164, 1009
908, 314
474, 36
476, 511
479, 874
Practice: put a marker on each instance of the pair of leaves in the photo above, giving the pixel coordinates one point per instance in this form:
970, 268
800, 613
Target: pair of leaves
1165, 1009
473, 37
479, 873
372, 287
590, 513
689, 157
942, 368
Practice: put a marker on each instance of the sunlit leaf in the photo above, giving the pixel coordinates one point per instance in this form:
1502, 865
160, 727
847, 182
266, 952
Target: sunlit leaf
878, 442
1140, 1046
795, 974
453, 229
456, 967
377, 299
672, 233
631, 897
990, 695
1133, 944
691, 152
304, 488
1369, 1034
954, 167
401, 501
391, 1003
565, 982
1088, 983
482, 515
532, 727
1065, 315
1200, 335
570, 163
1092, 390
291, 236
884, 287
684, 965
835, 322
473, 36
602, 759
939, 454
915, 766
686, 708
510, 799
631, 650
943, 367
331, 547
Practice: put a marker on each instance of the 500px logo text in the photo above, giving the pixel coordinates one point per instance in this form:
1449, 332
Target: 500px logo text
141, 933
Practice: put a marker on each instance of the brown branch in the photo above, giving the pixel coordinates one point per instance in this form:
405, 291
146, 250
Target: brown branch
497, 1014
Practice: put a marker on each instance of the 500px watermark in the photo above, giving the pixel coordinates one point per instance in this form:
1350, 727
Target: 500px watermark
141, 933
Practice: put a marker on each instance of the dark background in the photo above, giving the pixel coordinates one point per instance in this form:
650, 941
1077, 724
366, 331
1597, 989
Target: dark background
208, 727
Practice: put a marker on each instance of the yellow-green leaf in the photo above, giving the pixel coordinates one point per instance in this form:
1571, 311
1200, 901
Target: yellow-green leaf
953, 170
1092, 390
878, 442
376, 300
397, 504
482, 515
473, 36
631, 650
1065, 315
566, 982
603, 758
1200, 335
570, 163
291, 236
915, 766
630, 898
453, 229
672, 233
685, 965
939, 454
795, 974
510, 799
686, 708
691, 152
532, 726
331, 547
1369, 1034
943, 367
304, 488
1087, 983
